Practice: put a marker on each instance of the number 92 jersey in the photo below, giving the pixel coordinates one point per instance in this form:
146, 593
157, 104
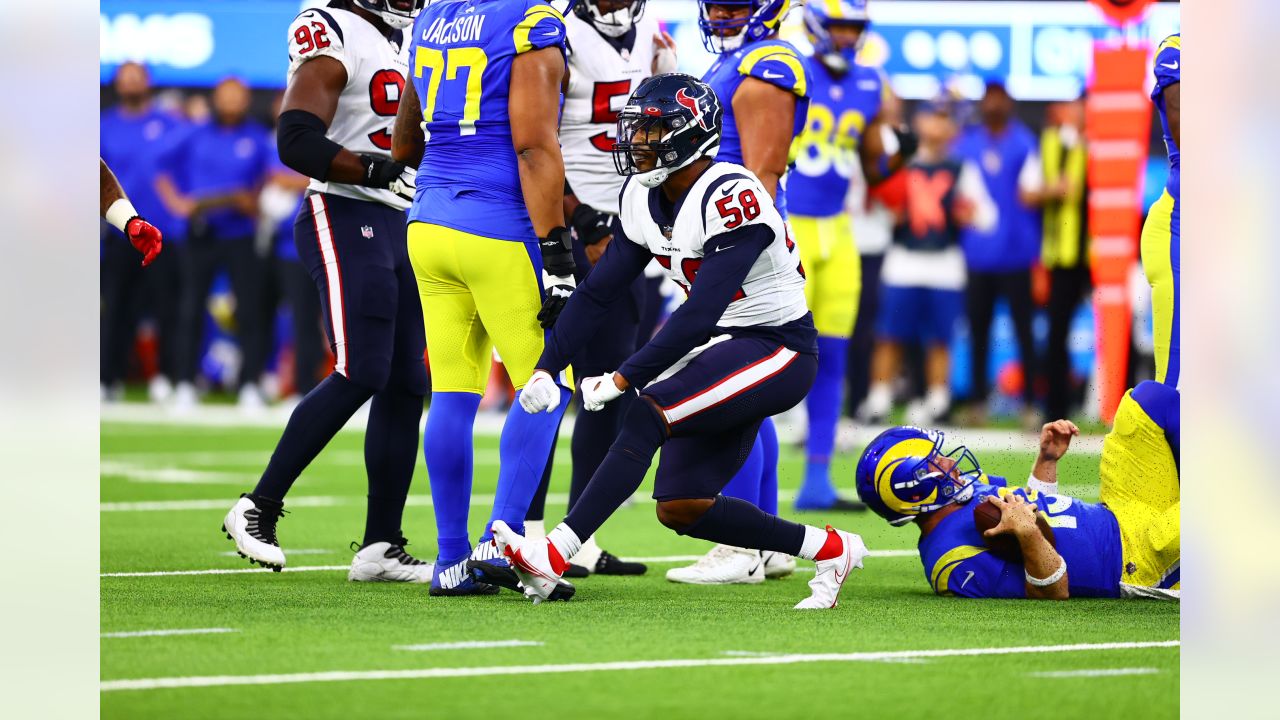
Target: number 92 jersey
368, 103
725, 198
1086, 535
460, 62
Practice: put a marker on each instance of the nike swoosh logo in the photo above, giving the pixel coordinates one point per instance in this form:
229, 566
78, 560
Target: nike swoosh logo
1173, 66
728, 190
773, 75
753, 570
967, 578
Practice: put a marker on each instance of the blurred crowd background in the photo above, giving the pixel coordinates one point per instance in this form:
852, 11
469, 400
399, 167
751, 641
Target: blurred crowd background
227, 313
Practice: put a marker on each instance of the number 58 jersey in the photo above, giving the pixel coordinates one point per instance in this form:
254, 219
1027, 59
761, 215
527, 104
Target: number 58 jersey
460, 59
726, 198
367, 106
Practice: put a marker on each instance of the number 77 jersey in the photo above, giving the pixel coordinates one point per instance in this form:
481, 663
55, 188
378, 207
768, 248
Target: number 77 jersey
460, 60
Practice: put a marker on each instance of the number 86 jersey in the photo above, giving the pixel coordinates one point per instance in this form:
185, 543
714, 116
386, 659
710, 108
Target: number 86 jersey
376, 67
726, 198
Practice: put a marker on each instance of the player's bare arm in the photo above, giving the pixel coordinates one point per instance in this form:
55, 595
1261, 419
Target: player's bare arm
1040, 560
766, 115
116, 209
109, 186
1055, 438
407, 140
1173, 107
535, 110
314, 89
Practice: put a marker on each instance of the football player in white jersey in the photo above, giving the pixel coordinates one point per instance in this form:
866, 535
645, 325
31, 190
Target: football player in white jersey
613, 46
741, 348
347, 64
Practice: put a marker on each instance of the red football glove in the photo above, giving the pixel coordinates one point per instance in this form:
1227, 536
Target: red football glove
145, 238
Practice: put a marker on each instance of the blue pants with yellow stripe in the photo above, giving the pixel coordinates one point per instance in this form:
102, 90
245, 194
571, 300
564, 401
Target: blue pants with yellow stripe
1161, 260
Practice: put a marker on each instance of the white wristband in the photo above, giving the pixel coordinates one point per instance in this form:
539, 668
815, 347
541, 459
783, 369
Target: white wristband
1062, 570
120, 213
1040, 486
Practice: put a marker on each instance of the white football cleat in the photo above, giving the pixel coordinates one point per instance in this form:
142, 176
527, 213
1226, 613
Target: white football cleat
253, 528
529, 560
387, 562
777, 565
824, 588
722, 565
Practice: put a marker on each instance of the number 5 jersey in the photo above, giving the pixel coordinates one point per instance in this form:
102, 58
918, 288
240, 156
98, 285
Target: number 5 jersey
367, 106
460, 60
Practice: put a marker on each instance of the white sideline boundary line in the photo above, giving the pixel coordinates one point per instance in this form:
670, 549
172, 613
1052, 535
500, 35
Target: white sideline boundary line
322, 568
432, 673
1103, 672
468, 645
166, 633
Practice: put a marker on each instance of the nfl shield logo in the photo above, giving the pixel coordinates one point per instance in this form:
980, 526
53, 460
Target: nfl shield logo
366, 231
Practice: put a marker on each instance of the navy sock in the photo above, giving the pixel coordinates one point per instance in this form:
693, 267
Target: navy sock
593, 435
390, 453
522, 457
731, 521
315, 421
624, 467
447, 447
769, 467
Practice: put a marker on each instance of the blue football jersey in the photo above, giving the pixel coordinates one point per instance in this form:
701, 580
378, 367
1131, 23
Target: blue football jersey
957, 562
774, 61
460, 65
1168, 71
825, 153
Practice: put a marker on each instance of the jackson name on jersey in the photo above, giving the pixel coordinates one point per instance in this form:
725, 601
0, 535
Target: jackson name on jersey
601, 78
376, 68
726, 197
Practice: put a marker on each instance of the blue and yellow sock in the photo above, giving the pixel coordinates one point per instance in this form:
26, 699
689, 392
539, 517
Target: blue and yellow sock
823, 405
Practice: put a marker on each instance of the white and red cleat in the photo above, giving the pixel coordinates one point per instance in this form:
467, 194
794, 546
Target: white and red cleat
824, 588
534, 561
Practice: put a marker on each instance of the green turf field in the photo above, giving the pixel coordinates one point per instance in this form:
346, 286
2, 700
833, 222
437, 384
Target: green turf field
313, 645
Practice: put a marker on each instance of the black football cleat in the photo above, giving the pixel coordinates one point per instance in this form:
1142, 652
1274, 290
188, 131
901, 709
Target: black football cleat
610, 564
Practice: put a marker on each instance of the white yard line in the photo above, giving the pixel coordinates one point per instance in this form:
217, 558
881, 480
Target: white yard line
426, 673
1104, 672
166, 633
312, 568
292, 552
468, 645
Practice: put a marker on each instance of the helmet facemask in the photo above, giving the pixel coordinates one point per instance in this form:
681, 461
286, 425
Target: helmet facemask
725, 36
396, 13
646, 145
614, 24
946, 477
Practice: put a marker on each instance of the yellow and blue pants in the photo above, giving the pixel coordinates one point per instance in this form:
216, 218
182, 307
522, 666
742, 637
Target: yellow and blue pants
1161, 260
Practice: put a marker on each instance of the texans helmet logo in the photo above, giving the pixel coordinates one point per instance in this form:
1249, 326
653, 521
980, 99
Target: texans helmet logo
694, 106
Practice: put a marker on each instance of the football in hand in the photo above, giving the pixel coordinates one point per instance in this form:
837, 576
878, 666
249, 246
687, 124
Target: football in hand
987, 515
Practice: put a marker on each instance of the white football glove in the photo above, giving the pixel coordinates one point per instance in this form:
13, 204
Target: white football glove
405, 185
540, 394
664, 54
597, 391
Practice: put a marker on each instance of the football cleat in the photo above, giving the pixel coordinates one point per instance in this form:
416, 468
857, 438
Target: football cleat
777, 565
722, 565
387, 562
609, 564
487, 565
251, 524
532, 563
456, 580
830, 575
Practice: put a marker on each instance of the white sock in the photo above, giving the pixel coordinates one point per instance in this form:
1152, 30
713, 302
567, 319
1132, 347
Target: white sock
535, 530
879, 399
937, 400
565, 540
588, 554
814, 539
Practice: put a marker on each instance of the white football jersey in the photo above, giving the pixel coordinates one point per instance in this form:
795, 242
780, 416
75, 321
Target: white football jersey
601, 79
725, 198
376, 69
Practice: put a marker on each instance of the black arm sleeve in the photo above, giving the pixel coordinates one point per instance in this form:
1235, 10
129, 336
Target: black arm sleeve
608, 281
728, 260
303, 146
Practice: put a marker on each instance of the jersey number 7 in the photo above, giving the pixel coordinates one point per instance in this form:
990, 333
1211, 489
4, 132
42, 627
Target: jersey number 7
449, 63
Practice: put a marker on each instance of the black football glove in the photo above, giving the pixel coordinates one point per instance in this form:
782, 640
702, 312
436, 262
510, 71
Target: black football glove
390, 175
908, 142
591, 225
557, 274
